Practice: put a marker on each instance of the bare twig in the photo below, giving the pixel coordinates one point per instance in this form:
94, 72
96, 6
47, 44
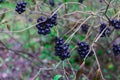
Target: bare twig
44, 69
98, 64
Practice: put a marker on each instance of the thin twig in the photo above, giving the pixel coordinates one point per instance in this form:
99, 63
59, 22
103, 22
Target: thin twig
98, 64
65, 71
44, 69
71, 36
71, 68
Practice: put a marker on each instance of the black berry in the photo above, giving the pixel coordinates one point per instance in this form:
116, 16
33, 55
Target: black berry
1, 1
53, 19
83, 49
100, 0
116, 49
20, 7
80, 1
62, 49
42, 27
115, 23
52, 3
44, 24
106, 32
85, 28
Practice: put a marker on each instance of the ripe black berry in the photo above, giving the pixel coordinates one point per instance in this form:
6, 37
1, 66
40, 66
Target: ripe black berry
85, 28
106, 32
100, 0
83, 49
80, 1
53, 19
42, 27
20, 7
62, 49
44, 24
115, 23
116, 49
1, 1
52, 3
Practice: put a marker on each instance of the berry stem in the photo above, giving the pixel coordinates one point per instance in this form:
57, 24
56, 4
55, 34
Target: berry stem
71, 67
107, 7
65, 72
56, 29
6, 11
106, 1
18, 31
71, 36
98, 64
64, 5
44, 69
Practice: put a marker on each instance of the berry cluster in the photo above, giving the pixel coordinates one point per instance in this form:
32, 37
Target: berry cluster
51, 2
1, 1
85, 28
80, 1
115, 23
44, 24
116, 49
106, 32
20, 7
62, 49
83, 49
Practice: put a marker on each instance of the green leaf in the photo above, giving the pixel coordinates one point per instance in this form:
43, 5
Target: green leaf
99, 52
42, 56
66, 0
118, 32
1, 61
108, 77
82, 37
26, 46
111, 66
37, 78
57, 77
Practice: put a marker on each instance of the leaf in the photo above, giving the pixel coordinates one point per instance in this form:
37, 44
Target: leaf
37, 78
8, 27
26, 46
108, 76
111, 66
99, 52
1, 61
57, 77
42, 56
2, 17
118, 32
66, 0
82, 37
